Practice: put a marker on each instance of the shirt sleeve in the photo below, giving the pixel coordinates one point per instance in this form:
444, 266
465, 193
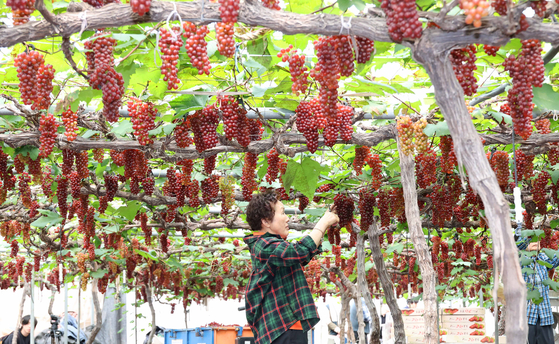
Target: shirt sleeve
284, 253
523, 243
553, 261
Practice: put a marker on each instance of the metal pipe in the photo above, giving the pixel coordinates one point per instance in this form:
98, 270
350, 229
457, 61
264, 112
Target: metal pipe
79, 311
65, 313
31, 292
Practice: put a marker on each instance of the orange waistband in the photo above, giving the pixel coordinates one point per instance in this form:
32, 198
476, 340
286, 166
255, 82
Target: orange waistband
297, 326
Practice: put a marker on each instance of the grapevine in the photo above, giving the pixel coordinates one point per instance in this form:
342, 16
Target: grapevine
365, 47
402, 19
464, 64
143, 116
196, 46
48, 127
28, 64
170, 44
70, 120
297, 69
45, 75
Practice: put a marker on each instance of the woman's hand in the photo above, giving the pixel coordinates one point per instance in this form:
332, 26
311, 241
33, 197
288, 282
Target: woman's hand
329, 218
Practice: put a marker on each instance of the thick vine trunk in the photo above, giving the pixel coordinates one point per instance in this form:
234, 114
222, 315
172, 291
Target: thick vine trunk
387, 286
407, 173
98, 313
343, 317
362, 287
152, 309
360, 319
470, 153
20, 313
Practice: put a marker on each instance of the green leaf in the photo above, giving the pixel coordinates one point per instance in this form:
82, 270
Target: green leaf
98, 273
439, 129
395, 247
552, 284
48, 218
534, 295
315, 211
499, 116
546, 264
122, 128
228, 281
528, 270
173, 262
549, 252
525, 261
554, 223
554, 177
545, 97
146, 254
293, 169
28, 150
312, 169
188, 102
130, 210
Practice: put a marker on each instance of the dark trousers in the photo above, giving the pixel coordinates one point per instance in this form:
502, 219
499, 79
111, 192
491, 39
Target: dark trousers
356, 335
292, 337
538, 334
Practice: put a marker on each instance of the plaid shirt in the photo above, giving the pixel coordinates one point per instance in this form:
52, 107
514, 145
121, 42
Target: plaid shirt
278, 294
533, 281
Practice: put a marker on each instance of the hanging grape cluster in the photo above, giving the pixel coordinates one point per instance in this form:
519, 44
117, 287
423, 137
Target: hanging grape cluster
103, 76
248, 180
526, 70
143, 119
344, 208
140, 7
170, 43
365, 48
21, 10
499, 162
464, 64
70, 120
48, 127
35, 79
411, 135
306, 124
204, 125
426, 168
226, 186
402, 19
196, 47
297, 69
474, 11
362, 155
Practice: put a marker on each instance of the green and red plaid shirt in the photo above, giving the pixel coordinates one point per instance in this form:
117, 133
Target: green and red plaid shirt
278, 294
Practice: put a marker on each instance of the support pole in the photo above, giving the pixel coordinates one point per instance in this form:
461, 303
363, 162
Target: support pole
79, 311
31, 293
65, 313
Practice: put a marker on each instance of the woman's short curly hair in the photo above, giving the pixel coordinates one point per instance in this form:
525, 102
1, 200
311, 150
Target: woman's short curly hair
261, 207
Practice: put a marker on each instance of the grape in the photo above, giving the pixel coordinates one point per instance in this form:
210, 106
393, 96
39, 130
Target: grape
48, 127
345, 114
500, 165
474, 11
21, 10
406, 133
539, 191
28, 64
362, 154
375, 164
366, 207
143, 116
344, 207
448, 157
210, 188
229, 10
303, 203
170, 45
204, 126
426, 168
248, 177
490, 50
140, 6
226, 42
192, 194
273, 168
70, 120
306, 124
326, 72
81, 164
227, 188
62, 195
365, 47
402, 19
322, 188
539, 7
271, 4
196, 47
464, 64
45, 75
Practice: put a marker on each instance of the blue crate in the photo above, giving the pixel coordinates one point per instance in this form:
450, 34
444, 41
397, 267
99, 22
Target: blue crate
198, 335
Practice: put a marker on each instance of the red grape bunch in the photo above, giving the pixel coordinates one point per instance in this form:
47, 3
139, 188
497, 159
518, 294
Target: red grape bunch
464, 64
500, 164
237, 125
402, 19
45, 75
203, 124
406, 133
490, 50
297, 69
526, 70
366, 207
344, 207
225, 38
345, 115
170, 43
426, 168
375, 164
327, 72
143, 116
210, 188
539, 7
21, 10
362, 155
140, 6
539, 191
474, 11
70, 120
365, 48
248, 180
273, 165
306, 124
229, 10
448, 157
524, 165
271, 4
48, 126
196, 47
28, 65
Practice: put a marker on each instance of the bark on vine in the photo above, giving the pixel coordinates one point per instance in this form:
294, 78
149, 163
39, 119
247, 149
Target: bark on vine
98, 313
407, 173
470, 153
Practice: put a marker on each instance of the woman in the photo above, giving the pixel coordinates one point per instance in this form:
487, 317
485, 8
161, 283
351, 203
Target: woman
23, 336
279, 305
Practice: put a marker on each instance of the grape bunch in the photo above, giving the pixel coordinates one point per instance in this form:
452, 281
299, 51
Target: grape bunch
196, 47
237, 125
526, 70
70, 120
227, 188
448, 157
303, 203
24, 189
81, 164
345, 114
143, 119
273, 165
62, 195
344, 207
501, 8
140, 6
327, 72
203, 124
229, 10
426, 168
306, 124
271, 4
28, 65
248, 180
500, 164
539, 191
543, 126
474, 11
225, 38
181, 134
402, 19
375, 164
210, 188
464, 64
362, 155
45, 75
21, 10
490, 50
170, 43
365, 48
539, 7
48, 126
320, 189
406, 134
75, 185
297, 69
345, 55
366, 207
